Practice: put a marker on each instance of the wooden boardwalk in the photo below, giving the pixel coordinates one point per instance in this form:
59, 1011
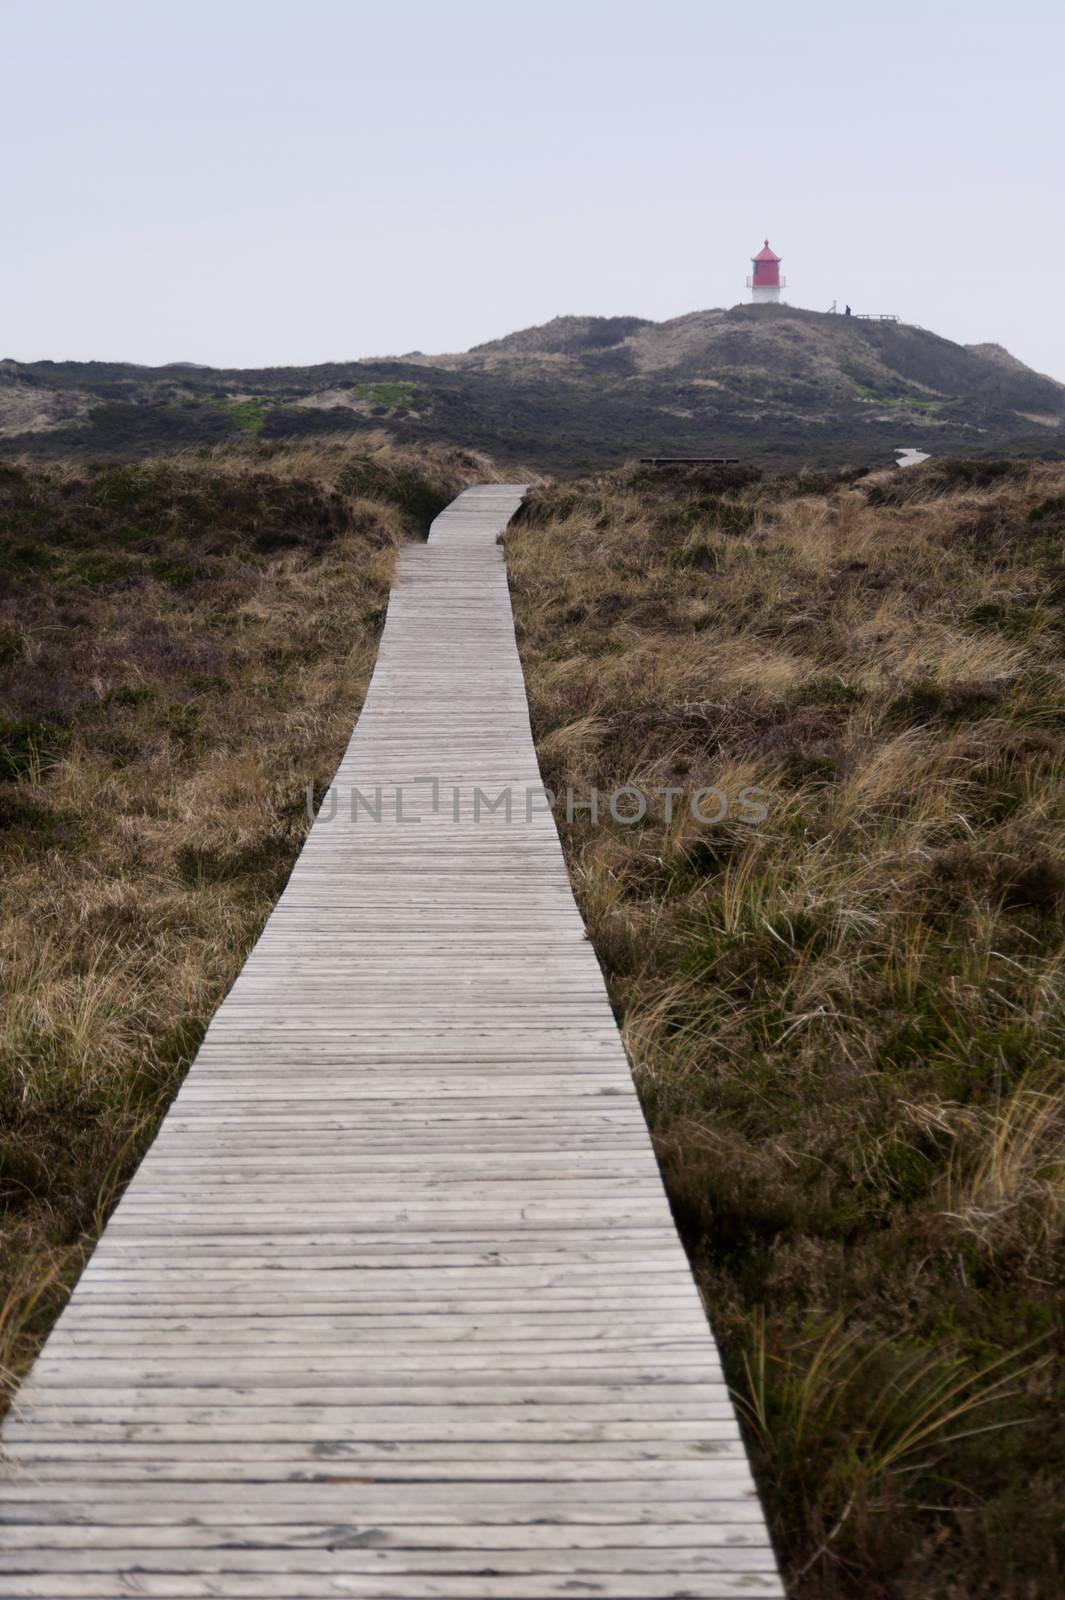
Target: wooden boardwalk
394, 1307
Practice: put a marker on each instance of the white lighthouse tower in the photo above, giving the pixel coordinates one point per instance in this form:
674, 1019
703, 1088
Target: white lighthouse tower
765, 283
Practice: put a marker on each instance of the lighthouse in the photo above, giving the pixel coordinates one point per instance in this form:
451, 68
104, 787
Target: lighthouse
765, 283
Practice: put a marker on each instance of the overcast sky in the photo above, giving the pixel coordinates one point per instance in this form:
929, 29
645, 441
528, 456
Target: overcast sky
255, 182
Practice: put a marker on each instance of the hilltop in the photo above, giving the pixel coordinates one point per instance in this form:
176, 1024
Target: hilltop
762, 382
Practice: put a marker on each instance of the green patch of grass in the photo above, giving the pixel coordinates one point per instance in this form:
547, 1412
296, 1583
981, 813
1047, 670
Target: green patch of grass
249, 415
395, 398
905, 402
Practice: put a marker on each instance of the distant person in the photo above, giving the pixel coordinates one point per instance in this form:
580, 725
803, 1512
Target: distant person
846, 311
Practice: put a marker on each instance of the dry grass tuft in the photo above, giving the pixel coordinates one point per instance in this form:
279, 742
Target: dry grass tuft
1006, 1184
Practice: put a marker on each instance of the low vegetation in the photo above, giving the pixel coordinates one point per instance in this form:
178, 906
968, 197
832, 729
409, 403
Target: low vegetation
184, 646
846, 1020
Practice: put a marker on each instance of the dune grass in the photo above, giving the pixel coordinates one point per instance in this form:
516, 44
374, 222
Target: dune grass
184, 645
846, 1021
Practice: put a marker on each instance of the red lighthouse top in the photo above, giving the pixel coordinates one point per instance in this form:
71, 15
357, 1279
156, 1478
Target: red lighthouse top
766, 268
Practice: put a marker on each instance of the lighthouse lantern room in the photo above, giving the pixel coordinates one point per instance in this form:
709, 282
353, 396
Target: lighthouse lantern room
765, 283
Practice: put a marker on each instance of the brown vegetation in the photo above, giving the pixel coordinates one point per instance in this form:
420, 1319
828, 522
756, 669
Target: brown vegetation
846, 1022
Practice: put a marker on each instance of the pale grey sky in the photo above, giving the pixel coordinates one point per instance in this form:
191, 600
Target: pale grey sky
261, 182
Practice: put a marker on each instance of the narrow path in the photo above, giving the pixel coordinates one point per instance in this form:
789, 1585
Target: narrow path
394, 1306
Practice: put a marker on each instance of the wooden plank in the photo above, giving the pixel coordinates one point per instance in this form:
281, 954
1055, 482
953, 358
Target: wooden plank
522, 1539
303, 1586
395, 1306
407, 1563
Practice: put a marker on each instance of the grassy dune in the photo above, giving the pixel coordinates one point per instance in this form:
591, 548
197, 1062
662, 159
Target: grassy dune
846, 1021
184, 646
